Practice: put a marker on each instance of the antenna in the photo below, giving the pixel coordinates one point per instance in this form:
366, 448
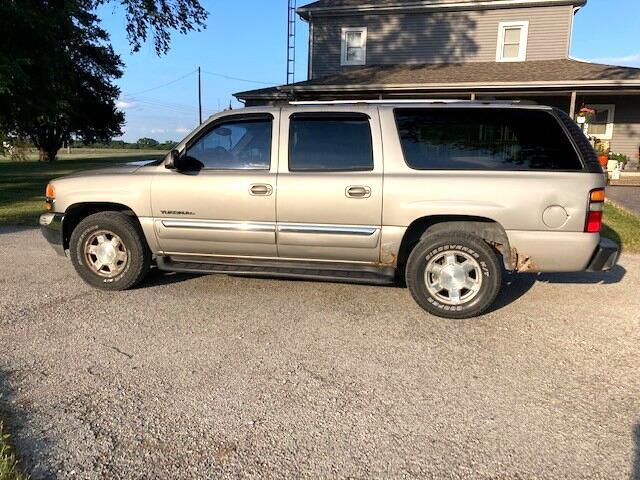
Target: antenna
291, 42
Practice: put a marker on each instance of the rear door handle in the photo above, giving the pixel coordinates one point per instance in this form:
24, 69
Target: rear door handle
261, 189
358, 191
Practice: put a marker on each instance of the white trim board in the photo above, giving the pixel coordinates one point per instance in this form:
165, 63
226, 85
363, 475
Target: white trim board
524, 38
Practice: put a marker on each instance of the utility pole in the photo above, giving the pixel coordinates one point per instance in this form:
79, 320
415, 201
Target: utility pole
199, 97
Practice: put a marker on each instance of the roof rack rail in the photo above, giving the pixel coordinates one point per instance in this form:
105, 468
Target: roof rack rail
408, 101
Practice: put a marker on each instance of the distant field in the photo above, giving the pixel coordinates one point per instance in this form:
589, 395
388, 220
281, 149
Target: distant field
89, 153
22, 184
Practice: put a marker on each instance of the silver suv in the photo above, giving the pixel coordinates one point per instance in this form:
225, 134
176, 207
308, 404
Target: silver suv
445, 194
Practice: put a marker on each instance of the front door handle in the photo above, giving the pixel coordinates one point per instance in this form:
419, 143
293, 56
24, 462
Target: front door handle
358, 191
261, 189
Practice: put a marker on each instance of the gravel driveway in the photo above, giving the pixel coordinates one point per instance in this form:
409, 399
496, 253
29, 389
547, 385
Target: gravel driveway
216, 377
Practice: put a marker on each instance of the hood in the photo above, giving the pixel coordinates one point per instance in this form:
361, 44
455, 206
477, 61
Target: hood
121, 169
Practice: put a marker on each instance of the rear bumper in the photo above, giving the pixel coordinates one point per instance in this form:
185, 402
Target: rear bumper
605, 257
51, 228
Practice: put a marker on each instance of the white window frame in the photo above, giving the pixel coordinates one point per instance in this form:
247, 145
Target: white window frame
524, 37
608, 135
343, 49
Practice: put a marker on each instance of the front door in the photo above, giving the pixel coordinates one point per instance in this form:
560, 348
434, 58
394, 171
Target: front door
226, 205
329, 204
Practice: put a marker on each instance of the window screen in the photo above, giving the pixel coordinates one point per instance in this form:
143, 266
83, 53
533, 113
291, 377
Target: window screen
484, 139
354, 45
511, 44
599, 125
235, 145
330, 143
354, 51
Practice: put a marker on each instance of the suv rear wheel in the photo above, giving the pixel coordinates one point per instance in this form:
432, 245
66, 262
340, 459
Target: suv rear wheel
453, 274
109, 252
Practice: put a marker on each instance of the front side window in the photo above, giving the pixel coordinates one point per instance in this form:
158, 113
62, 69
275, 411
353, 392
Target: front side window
354, 46
484, 139
512, 41
601, 125
330, 143
235, 145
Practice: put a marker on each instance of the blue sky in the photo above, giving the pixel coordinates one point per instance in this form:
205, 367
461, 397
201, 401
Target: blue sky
246, 39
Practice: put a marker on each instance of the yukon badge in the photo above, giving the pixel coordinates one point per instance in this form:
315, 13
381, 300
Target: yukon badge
175, 212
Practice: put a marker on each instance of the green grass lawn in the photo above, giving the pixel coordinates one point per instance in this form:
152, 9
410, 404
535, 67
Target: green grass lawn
22, 184
9, 469
623, 227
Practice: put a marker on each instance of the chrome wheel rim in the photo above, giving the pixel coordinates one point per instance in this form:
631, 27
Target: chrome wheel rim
453, 277
105, 253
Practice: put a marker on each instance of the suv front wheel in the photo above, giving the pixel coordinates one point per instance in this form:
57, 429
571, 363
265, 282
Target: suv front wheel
109, 252
453, 274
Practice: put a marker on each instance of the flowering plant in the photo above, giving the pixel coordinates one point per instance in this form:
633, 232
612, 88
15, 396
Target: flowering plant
587, 113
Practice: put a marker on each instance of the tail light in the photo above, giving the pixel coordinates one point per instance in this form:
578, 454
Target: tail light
594, 215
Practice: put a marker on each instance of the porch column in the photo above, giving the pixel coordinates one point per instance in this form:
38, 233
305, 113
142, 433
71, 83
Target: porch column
572, 107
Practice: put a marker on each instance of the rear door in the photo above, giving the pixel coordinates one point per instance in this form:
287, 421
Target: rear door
329, 204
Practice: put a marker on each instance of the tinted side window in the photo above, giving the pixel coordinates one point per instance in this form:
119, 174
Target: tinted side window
484, 139
236, 145
330, 143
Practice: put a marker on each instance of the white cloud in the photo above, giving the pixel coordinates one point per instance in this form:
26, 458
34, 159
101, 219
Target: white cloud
158, 130
182, 130
627, 61
123, 105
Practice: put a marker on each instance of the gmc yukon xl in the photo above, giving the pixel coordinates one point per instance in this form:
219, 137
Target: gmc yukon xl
446, 194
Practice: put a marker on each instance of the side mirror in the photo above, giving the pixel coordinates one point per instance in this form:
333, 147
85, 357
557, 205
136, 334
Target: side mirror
172, 160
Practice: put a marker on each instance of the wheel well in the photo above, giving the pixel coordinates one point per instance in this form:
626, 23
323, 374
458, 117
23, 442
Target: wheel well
487, 229
78, 212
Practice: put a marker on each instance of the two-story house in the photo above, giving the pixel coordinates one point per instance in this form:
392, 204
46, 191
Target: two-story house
462, 49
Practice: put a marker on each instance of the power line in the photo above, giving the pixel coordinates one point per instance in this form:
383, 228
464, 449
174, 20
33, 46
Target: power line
164, 84
162, 103
228, 77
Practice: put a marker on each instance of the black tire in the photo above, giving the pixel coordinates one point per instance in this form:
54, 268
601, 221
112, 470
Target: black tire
432, 247
138, 258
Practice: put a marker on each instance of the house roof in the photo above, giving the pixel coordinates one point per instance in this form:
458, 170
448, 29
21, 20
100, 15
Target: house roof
477, 76
329, 7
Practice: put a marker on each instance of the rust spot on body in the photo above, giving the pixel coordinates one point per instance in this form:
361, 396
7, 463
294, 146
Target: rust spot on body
388, 257
522, 263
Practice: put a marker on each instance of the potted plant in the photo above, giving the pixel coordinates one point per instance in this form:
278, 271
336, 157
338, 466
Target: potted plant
585, 115
603, 153
620, 158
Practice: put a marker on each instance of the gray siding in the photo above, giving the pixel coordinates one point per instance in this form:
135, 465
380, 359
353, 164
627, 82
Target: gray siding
440, 37
626, 130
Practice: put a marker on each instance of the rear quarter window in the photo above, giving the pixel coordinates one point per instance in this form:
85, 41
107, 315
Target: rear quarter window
484, 139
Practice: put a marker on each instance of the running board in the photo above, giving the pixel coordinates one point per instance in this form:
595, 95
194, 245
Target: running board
333, 272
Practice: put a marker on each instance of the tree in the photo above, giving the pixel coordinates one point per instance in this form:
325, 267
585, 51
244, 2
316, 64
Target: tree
64, 69
147, 142
57, 67
160, 17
